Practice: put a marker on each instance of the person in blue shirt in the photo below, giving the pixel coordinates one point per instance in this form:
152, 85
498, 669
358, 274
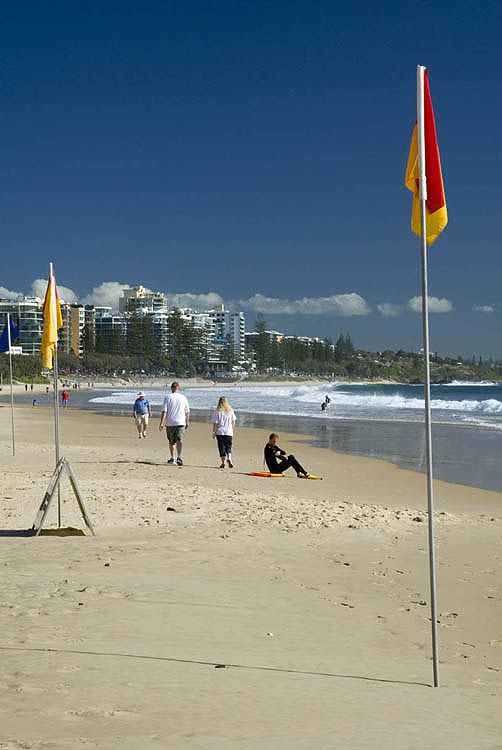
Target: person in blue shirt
141, 413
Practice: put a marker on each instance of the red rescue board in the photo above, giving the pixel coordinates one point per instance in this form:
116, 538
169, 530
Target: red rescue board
264, 474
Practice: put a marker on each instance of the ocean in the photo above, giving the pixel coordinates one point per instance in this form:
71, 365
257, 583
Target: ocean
475, 404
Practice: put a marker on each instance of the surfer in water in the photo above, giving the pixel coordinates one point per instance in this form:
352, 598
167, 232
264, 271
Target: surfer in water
276, 458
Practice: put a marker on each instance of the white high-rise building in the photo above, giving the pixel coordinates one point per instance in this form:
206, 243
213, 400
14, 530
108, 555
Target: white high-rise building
230, 326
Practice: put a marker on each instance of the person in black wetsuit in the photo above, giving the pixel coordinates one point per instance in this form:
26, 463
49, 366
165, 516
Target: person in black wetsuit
276, 459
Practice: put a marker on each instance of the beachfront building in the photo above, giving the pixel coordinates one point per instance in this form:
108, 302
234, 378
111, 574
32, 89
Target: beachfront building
273, 336
28, 314
229, 327
104, 325
72, 333
138, 298
161, 332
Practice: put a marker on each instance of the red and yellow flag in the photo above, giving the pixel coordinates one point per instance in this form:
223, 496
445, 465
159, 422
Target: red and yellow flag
436, 215
52, 321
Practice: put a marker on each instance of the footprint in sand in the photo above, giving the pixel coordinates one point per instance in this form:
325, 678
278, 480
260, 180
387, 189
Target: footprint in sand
99, 713
70, 668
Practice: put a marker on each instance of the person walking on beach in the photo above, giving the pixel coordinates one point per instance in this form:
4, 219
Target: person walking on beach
64, 399
141, 412
223, 431
276, 458
176, 416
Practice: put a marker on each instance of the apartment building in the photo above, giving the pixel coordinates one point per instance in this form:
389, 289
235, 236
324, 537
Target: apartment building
72, 333
29, 316
230, 327
139, 298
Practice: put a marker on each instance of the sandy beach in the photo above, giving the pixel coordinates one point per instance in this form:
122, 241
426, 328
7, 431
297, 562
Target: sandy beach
256, 613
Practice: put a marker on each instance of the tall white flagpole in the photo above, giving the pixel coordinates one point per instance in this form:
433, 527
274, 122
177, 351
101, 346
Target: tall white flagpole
11, 388
427, 379
56, 403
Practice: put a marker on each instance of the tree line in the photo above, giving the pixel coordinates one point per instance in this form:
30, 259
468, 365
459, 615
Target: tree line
180, 348
185, 351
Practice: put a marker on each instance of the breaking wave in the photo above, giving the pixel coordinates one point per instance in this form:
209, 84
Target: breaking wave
358, 401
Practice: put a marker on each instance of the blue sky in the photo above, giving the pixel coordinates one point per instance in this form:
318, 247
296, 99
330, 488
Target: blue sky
256, 148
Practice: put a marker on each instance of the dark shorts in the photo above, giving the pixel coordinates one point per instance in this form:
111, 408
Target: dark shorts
224, 444
175, 433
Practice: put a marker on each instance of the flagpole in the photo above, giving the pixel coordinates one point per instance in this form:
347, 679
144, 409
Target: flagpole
56, 407
11, 388
427, 379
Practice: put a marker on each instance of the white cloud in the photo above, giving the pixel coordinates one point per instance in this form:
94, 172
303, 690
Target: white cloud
483, 308
344, 305
106, 294
389, 310
39, 287
8, 293
195, 301
436, 304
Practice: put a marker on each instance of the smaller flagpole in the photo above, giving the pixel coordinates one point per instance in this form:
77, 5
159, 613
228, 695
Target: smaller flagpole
427, 379
56, 405
11, 388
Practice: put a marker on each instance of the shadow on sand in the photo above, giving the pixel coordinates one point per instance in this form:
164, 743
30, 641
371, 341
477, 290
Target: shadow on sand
216, 664
63, 531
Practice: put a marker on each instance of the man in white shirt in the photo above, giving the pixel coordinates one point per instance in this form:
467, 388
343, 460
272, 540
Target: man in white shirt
176, 416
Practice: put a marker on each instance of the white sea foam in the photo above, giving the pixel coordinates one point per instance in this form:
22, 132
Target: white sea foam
346, 401
472, 384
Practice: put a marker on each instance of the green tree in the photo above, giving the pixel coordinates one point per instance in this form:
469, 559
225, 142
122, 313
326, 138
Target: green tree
262, 343
134, 334
147, 337
100, 346
117, 341
88, 342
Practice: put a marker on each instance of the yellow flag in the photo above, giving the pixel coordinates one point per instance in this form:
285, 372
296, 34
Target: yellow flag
436, 215
52, 321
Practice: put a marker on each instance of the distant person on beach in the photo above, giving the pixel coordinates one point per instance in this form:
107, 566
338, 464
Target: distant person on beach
64, 399
277, 460
26, 386
223, 431
31, 387
34, 404
324, 406
141, 412
176, 416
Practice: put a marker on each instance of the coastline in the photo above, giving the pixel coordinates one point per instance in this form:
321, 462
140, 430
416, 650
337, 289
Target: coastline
467, 456
164, 382
341, 471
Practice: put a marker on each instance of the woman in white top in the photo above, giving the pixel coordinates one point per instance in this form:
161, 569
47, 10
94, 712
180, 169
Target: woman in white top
223, 430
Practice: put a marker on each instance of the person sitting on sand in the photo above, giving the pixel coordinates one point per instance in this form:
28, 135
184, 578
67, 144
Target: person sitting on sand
223, 430
276, 458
